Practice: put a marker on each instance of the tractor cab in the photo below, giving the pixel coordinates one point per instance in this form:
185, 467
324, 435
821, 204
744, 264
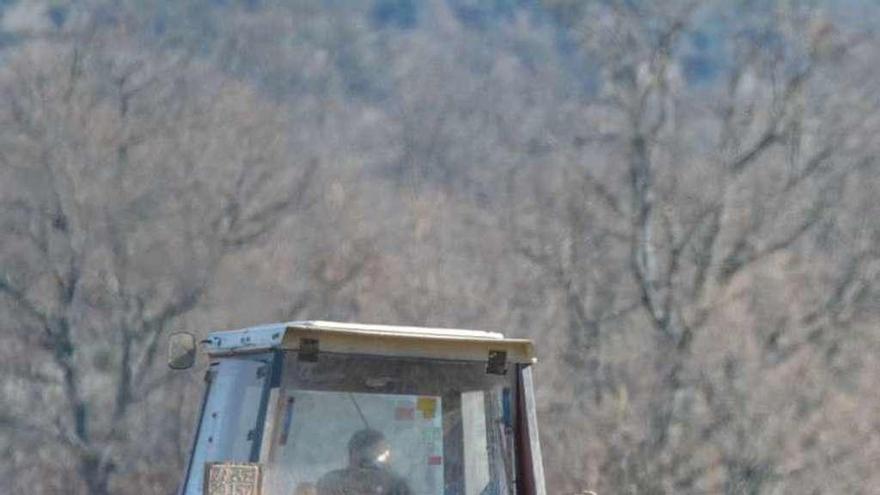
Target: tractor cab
323, 408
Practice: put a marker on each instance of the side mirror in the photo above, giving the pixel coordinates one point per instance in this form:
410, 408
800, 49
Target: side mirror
181, 351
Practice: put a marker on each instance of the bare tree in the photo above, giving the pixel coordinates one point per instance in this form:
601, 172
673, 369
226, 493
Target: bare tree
675, 199
123, 192
696, 219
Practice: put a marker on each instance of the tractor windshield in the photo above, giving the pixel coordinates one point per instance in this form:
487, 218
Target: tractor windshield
358, 424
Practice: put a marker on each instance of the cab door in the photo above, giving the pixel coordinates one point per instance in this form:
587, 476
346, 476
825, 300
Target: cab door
232, 417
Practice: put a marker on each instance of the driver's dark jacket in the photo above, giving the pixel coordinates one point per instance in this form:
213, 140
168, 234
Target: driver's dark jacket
362, 481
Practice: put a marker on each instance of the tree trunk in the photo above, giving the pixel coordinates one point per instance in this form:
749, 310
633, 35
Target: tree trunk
95, 474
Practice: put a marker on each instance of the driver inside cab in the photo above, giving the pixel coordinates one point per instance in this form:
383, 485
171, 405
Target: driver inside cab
368, 471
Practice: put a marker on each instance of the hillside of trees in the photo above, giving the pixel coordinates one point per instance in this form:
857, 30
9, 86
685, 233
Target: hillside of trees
677, 200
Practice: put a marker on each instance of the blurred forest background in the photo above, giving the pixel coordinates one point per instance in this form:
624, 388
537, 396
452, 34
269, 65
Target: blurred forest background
678, 200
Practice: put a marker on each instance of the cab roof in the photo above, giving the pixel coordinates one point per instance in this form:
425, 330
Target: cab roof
358, 338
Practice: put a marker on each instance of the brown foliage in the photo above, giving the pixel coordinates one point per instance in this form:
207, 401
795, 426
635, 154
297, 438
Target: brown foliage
697, 262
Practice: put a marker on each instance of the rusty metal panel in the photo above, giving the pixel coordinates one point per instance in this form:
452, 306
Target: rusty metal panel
228, 478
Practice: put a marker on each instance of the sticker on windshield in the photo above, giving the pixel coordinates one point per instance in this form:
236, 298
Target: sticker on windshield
404, 413
427, 406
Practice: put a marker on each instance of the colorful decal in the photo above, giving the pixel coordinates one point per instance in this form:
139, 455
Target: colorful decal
427, 406
404, 413
428, 436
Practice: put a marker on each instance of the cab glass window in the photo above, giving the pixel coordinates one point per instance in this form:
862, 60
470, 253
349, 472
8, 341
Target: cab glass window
391, 426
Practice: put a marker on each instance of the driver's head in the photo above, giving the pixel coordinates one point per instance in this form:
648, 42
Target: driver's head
368, 449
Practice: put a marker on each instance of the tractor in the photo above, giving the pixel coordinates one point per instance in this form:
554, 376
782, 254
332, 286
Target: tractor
326, 408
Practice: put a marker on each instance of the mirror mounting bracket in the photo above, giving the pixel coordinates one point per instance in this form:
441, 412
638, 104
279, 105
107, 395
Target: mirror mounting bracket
497, 363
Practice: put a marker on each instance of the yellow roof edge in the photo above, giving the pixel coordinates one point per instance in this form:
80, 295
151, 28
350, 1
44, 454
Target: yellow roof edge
395, 329
411, 342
